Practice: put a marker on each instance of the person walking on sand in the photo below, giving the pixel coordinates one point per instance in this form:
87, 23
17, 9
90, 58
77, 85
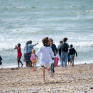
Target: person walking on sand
72, 53
64, 55
46, 57
54, 49
60, 50
27, 52
33, 58
19, 54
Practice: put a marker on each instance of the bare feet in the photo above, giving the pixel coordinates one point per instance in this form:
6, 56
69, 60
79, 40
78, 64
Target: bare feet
22, 65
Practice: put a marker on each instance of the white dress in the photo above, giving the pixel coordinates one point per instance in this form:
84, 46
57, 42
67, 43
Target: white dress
46, 56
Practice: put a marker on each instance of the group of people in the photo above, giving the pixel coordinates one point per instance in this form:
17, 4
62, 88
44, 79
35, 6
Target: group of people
66, 53
48, 55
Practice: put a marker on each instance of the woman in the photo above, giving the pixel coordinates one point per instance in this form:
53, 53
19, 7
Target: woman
54, 49
46, 57
53, 46
64, 55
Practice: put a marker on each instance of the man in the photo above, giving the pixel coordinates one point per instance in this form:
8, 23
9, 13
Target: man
27, 52
64, 55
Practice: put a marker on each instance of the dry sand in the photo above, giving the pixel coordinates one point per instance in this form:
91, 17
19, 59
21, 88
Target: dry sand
78, 79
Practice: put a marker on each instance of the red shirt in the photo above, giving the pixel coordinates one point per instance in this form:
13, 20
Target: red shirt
19, 54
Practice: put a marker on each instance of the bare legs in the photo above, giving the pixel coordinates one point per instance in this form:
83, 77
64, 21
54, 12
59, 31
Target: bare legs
73, 64
43, 69
69, 63
19, 62
34, 66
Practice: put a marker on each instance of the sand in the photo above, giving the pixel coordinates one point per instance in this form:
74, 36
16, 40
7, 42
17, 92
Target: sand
78, 79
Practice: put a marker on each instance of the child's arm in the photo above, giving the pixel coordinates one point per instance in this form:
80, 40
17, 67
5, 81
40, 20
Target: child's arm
18, 49
15, 47
38, 52
55, 52
76, 53
37, 57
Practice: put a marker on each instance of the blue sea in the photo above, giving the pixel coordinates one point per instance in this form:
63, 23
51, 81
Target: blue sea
23, 20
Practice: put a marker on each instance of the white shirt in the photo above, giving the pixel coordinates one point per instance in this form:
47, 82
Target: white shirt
46, 56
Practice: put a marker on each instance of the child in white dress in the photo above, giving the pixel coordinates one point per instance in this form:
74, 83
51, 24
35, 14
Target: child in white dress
46, 56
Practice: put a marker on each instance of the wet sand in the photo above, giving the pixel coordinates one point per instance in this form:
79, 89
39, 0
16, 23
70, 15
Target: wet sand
78, 79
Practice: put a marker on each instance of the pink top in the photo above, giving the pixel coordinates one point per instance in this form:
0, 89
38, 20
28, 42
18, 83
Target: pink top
33, 57
19, 54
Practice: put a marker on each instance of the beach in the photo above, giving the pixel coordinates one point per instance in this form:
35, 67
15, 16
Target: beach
23, 20
78, 79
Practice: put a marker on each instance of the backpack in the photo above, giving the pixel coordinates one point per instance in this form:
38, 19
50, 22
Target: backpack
65, 47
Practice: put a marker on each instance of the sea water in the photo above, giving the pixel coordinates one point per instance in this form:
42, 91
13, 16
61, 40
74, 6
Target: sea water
23, 20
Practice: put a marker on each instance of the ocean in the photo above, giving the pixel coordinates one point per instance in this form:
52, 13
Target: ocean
23, 20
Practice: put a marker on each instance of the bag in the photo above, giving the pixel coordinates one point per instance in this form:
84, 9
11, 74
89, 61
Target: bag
56, 61
65, 47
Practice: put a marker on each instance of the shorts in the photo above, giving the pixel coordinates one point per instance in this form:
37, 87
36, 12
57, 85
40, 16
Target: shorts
34, 61
72, 57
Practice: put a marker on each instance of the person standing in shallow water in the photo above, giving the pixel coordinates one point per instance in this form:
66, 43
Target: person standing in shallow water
19, 54
64, 55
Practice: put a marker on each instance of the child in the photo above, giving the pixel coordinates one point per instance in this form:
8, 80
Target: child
19, 54
0, 60
72, 53
33, 59
46, 57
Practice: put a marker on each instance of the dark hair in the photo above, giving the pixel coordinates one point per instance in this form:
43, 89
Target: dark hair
61, 42
30, 42
71, 45
19, 44
65, 39
45, 41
